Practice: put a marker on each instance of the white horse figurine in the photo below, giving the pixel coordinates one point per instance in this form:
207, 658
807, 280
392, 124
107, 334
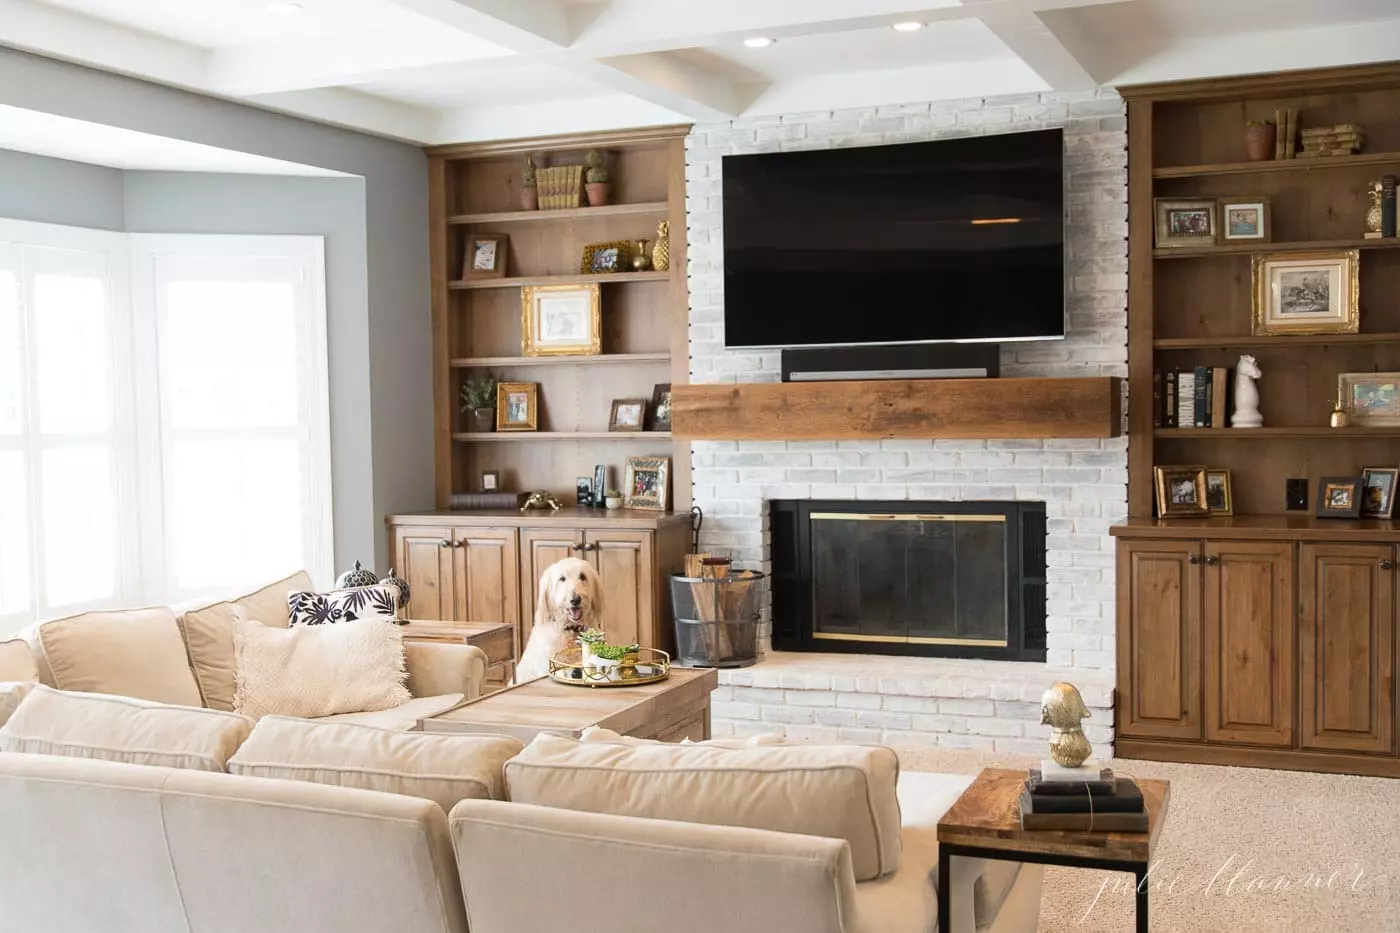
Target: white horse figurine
1247, 395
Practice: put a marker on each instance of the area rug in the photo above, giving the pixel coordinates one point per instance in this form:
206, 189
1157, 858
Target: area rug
1243, 850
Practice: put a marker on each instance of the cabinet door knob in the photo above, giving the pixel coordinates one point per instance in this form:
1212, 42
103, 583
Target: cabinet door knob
591, 546
444, 543
1387, 564
459, 543
1212, 560
577, 547
1193, 558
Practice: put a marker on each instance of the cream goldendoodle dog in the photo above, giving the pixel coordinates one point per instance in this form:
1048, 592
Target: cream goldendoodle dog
570, 600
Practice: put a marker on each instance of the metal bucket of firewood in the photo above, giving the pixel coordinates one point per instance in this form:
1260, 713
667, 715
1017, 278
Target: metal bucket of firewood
716, 610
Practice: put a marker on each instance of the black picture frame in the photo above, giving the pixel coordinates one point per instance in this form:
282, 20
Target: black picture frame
660, 408
1339, 497
583, 487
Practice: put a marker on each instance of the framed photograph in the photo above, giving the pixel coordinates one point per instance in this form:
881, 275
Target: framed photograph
1219, 496
1339, 497
490, 480
1378, 491
561, 320
1244, 220
583, 488
606, 257
486, 256
661, 406
628, 414
1181, 491
600, 483
648, 483
1306, 292
1185, 222
1372, 399
517, 406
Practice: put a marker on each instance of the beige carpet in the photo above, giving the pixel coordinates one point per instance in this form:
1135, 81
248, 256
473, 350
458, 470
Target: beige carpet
1243, 850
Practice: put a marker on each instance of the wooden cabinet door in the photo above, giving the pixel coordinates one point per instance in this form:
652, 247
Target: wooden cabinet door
486, 575
423, 557
1159, 639
540, 547
1346, 646
1249, 622
625, 564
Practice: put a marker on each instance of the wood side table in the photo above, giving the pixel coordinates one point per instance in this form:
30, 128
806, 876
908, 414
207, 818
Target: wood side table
986, 823
497, 639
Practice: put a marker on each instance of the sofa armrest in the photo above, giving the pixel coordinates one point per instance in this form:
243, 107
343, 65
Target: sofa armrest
436, 668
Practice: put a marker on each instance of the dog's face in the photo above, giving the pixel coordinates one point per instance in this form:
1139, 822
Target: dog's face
569, 591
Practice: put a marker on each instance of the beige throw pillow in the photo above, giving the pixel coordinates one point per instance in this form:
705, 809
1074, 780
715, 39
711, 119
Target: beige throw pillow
318, 670
838, 791
133, 653
208, 634
443, 768
11, 694
93, 725
17, 661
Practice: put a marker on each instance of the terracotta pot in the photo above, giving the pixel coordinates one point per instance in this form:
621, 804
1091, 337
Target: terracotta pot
483, 419
530, 199
1259, 142
597, 193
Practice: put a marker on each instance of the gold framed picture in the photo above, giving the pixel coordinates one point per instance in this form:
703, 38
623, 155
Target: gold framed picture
1220, 498
485, 257
1371, 399
1184, 222
1245, 220
1339, 497
517, 406
561, 320
1181, 491
661, 406
606, 257
1306, 292
628, 414
648, 483
1378, 491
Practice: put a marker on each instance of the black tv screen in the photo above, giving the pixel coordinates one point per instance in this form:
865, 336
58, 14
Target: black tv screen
950, 240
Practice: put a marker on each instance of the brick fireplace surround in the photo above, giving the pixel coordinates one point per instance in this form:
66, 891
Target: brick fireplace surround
920, 701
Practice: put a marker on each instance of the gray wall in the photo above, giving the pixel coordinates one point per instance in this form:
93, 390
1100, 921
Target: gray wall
55, 191
388, 424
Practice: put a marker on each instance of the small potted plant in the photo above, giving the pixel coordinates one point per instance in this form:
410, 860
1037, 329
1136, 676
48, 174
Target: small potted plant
613, 499
1259, 140
529, 194
596, 179
479, 399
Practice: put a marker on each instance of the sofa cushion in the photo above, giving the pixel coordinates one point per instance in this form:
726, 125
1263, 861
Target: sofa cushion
318, 670
345, 605
838, 791
11, 693
17, 661
443, 768
133, 653
112, 728
401, 718
208, 634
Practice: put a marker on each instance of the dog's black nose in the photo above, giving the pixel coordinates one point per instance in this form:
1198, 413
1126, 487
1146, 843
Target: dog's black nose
575, 601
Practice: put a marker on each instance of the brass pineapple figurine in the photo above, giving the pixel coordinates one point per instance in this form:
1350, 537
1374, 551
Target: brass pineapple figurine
661, 251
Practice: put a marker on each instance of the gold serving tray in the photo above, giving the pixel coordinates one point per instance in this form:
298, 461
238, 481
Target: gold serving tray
650, 666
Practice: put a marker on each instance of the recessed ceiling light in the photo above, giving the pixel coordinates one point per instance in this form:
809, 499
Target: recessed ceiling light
908, 27
757, 42
285, 7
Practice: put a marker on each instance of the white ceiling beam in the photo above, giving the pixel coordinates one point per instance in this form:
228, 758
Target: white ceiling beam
356, 111
670, 82
518, 25
1031, 40
610, 112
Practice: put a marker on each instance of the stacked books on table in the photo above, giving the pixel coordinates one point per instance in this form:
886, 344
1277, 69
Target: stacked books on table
1103, 803
1340, 140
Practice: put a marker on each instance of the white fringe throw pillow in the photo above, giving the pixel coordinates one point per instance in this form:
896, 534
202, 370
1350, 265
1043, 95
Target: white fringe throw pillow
311, 671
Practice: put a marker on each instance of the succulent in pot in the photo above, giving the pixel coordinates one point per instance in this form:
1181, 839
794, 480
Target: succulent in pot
595, 179
529, 193
479, 400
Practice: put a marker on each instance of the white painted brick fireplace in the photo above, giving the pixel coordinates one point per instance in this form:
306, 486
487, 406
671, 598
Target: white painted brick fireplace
904, 701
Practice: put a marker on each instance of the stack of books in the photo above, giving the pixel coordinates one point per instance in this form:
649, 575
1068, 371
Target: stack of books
1061, 798
1191, 398
1340, 140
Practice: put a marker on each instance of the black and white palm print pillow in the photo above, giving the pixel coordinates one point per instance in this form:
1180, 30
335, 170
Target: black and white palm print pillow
348, 605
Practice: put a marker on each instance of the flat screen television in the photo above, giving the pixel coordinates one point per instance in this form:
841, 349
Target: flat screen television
951, 240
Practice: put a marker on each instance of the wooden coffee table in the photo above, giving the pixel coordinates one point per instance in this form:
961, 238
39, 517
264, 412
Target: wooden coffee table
674, 709
986, 823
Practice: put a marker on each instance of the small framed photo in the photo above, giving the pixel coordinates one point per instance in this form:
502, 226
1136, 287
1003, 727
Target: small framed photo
1187, 222
490, 480
600, 483
1339, 497
1306, 292
628, 414
583, 489
1244, 220
561, 320
1219, 496
486, 256
648, 483
606, 257
1181, 491
1378, 491
1372, 399
661, 406
517, 406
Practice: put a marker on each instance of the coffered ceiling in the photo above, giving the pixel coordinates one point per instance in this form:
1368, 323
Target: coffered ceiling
432, 71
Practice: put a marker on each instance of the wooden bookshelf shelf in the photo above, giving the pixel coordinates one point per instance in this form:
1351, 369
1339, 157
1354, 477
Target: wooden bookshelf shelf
1281, 343
576, 279
1278, 165
510, 437
614, 359
1236, 249
1268, 433
571, 213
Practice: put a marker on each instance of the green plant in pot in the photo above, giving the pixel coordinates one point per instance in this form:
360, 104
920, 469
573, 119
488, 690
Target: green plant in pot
595, 179
479, 401
529, 194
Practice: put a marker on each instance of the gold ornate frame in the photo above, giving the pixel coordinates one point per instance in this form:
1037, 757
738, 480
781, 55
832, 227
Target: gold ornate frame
662, 467
530, 297
1164, 475
1162, 237
1229, 507
624, 257
1346, 382
1347, 321
503, 391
